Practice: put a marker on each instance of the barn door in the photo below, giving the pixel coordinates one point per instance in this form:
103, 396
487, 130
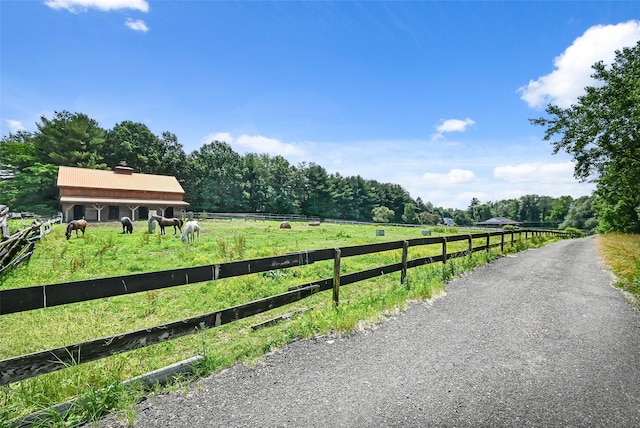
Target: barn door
143, 213
114, 212
78, 212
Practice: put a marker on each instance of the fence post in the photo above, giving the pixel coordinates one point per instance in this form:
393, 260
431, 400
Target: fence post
488, 240
444, 249
470, 249
4, 229
405, 256
336, 276
502, 241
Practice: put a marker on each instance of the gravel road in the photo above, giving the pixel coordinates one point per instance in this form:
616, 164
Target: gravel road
540, 338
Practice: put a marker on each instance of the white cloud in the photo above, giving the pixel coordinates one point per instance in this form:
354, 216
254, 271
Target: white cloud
452, 125
535, 171
452, 178
14, 126
137, 25
219, 136
573, 67
257, 144
272, 146
75, 6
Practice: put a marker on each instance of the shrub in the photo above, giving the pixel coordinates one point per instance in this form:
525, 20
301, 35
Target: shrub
574, 231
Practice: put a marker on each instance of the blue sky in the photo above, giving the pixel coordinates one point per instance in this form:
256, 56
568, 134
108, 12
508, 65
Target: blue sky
434, 96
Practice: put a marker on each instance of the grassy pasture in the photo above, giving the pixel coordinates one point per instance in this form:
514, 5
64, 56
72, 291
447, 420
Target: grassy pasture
104, 251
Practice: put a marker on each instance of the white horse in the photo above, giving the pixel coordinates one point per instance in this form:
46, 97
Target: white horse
191, 231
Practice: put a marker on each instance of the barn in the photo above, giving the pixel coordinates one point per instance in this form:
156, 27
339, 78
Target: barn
498, 222
99, 195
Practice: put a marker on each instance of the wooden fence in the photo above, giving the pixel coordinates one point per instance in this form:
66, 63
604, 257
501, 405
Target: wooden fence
18, 247
43, 296
253, 216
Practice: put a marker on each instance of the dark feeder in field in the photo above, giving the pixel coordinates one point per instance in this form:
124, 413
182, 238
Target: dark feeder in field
379, 232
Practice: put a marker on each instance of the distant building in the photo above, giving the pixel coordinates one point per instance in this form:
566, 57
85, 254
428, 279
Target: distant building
498, 222
99, 195
448, 221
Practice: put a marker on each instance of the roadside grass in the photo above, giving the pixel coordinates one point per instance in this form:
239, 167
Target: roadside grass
621, 252
103, 251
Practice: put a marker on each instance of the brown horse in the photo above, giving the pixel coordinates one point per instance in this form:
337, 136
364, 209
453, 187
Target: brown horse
75, 225
163, 222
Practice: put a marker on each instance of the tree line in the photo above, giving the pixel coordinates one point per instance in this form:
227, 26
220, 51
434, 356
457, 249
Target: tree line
217, 179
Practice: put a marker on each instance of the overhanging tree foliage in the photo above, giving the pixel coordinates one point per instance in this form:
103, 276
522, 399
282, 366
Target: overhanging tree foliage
602, 133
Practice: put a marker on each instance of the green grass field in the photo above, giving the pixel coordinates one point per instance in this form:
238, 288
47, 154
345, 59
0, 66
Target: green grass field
104, 251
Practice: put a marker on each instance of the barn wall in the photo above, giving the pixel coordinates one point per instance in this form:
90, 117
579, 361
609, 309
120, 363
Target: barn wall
115, 193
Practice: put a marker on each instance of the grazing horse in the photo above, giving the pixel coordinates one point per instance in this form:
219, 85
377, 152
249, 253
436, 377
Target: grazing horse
191, 231
75, 225
163, 222
127, 225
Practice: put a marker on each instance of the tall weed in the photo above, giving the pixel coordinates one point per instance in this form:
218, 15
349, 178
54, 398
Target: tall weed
621, 252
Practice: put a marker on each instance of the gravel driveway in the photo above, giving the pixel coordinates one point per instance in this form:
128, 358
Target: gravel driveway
539, 338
